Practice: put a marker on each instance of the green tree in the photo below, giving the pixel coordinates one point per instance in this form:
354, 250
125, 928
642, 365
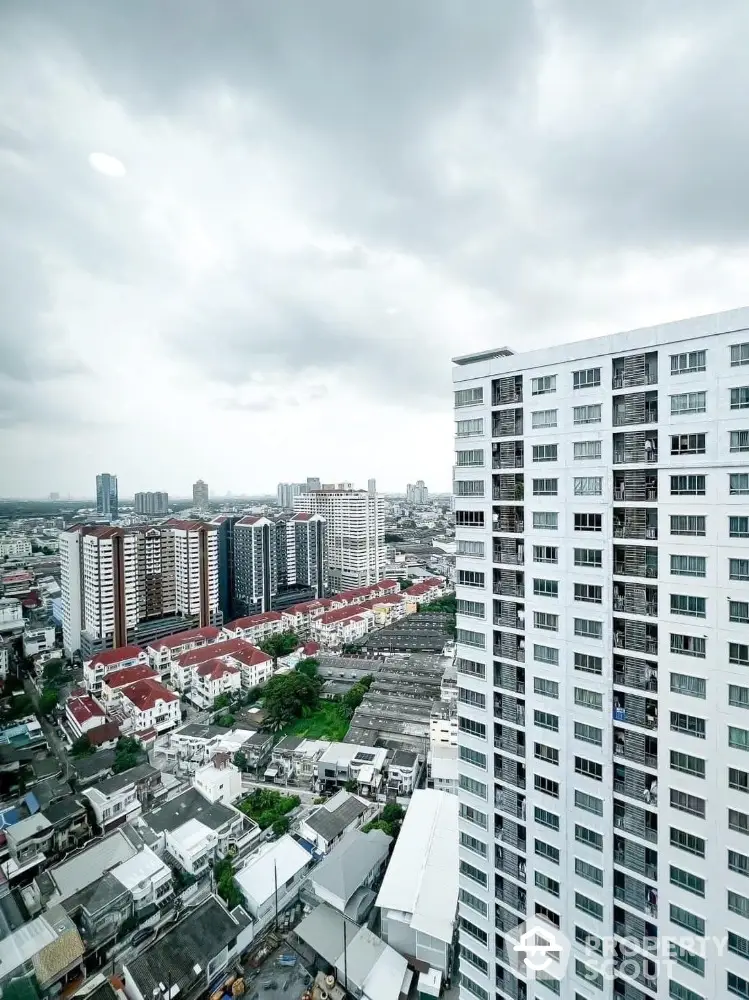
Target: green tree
378, 824
308, 666
227, 720
289, 696
48, 701
128, 753
81, 747
351, 785
222, 701
223, 872
280, 644
240, 761
406, 582
281, 826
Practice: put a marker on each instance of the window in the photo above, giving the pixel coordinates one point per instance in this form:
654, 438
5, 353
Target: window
589, 803
477, 788
587, 871
543, 418
468, 638
471, 609
545, 621
685, 604
545, 720
739, 441
738, 780
688, 842
546, 654
471, 728
738, 696
546, 818
542, 386
469, 397
740, 398
471, 928
589, 906
588, 941
545, 554
738, 569
686, 959
470, 667
688, 764
473, 816
588, 664
688, 566
586, 450
550, 915
738, 738
586, 414
589, 768
691, 725
687, 524
735, 984
738, 945
475, 904
592, 558
688, 486
689, 921
470, 578
545, 588
588, 522
544, 850
469, 518
473, 988
678, 992
738, 863
738, 822
469, 428
583, 835
466, 548
738, 611
544, 453
475, 874
549, 755
586, 628
738, 527
473, 457
738, 904
588, 486
688, 402
591, 976
693, 361
588, 734
474, 757
547, 980
547, 883
546, 786
687, 444
545, 487
472, 844
687, 803
469, 487
545, 520
739, 354
738, 653
589, 699
542, 686
695, 687
586, 378
591, 593
738, 483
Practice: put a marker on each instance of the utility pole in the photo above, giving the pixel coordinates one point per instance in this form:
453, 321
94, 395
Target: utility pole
275, 884
345, 958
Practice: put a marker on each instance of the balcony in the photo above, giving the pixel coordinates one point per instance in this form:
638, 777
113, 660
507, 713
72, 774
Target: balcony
640, 637
508, 455
636, 522
636, 785
510, 740
636, 894
510, 803
636, 447
635, 821
509, 677
509, 487
636, 560
635, 370
508, 520
637, 858
501, 952
636, 485
507, 423
635, 408
633, 710
636, 599
634, 928
509, 709
508, 832
508, 646
504, 920
510, 894
510, 614
509, 583
509, 551
639, 674
509, 772
637, 747
510, 986
642, 970
507, 390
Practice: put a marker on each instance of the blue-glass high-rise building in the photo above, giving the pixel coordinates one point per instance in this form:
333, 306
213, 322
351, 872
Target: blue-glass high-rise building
106, 496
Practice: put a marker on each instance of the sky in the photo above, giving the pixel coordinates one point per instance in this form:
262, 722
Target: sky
322, 203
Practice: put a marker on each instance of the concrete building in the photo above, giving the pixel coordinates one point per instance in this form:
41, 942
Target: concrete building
39, 639
11, 614
83, 714
152, 504
200, 495
106, 496
602, 567
283, 863
417, 493
286, 492
355, 533
219, 781
110, 661
338, 816
345, 877
14, 547
149, 705
120, 799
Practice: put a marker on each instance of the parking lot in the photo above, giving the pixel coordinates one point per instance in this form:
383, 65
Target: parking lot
271, 981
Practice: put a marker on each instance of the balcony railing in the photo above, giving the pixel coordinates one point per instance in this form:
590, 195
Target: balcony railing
629, 859
510, 803
636, 747
636, 821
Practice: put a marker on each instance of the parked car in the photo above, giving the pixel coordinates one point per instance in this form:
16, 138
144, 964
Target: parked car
143, 935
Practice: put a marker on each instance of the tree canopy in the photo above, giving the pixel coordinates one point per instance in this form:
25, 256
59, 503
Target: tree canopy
280, 644
128, 753
81, 747
308, 666
287, 697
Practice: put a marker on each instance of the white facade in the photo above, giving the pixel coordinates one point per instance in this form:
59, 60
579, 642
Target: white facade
11, 614
355, 534
284, 863
344, 625
14, 546
38, 640
601, 497
222, 783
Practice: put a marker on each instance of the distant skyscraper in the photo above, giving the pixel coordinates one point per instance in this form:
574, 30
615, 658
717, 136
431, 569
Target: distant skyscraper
54, 496
417, 493
313, 483
106, 496
152, 504
286, 492
371, 486
200, 495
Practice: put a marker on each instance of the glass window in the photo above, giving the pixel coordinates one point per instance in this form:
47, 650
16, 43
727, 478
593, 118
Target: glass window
695, 687
545, 520
469, 638
588, 664
688, 842
589, 768
470, 667
546, 654
545, 487
471, 609
688, 402
592, 558
689, 724
592, 593
685, 604
738, 483
544, 453
738, 696
547, 688
739, 354
545, 554
475, 904
588, 629
588, 522
470, 578
687, 763
588, 486
739, 441
589, 803
688, 486
738, 527
469, 518
546, 818
545, 720
687, 444
588, 871
687, 803
588, 734
692, 361
589, 906
469, 397
738, 611
477, 788
688, 565
586, 414
472, 457
546, 621
469, 487
586, 450
469, 428
688, 645
470, 548
589, 699
738, 738
546, 588
586, 378
690, 921
584, 835
543, 418
738, 569
740, 398
688, 524
543, 385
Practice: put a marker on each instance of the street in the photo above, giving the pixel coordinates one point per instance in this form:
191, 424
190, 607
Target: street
56, 745
305, 795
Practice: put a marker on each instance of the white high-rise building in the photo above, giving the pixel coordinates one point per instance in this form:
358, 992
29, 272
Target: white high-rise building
417, 493
602, 524
354, 533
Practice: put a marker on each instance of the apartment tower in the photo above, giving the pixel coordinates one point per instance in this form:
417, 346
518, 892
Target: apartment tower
151, 504
106, 496
602, 523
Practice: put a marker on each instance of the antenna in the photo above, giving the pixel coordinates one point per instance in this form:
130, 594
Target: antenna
345, 958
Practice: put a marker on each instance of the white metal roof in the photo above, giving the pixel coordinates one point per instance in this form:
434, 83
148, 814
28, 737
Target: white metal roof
422, 877
282, 860
144, 865
191, 835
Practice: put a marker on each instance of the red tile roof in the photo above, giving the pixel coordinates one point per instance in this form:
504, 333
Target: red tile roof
103, 734
218, 650
249, 519
209, 633
417, 589
251, 656
341, 614
84, 709
145, 694
109, 656
129, 675
301, 516
180, 525
310, 648
388, 583
373, 602
215, 669
307, 606
251, 620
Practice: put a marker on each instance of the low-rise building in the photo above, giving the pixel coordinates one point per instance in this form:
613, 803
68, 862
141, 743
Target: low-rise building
300, 618
339, 815
11, 614
147, 878
255, 628
343, 762
29, 841
219, 781
121, 798
43, 955
162, 652
425, 591
255, 666
442, 768
403, 769
193, 745
109, 660
346, 876
272, 877
149, 705
344, 625
69, 819
40, 639
14, 546
84, 714
114, 683
257, 749
211, 679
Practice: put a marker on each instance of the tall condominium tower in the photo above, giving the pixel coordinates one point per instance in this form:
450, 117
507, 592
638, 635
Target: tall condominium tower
285, 493
152, 504
200, 495
602, 522
417, 493
106, 495
355, 533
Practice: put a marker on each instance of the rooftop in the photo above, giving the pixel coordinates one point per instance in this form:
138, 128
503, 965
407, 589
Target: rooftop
215, 669
103, 734
281, 859
229, 647
209, 633
27, 828
109, 656
128, 675
189, 805
344, 870
142, 866
330, 823
84, 709
133, 775
343, 614
146, 694
252, 620
90, 864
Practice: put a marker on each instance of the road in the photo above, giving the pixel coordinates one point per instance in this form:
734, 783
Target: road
305, 795
57, 746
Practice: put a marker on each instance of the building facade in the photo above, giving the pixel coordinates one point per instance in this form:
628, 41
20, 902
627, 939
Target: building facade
601, 503
285, 493
106, 496
355, 533
417, 493
152, 504
200, 495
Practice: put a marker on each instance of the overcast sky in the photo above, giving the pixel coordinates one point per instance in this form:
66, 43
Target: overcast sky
324, 201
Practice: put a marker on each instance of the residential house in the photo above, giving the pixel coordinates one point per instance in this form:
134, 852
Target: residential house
70, 824
84, 714
281, 866
149, 705
403, 770
339, 815
345, 625
442, 768
345, 878
254, 665
343, 762
255, 628
163, 652
121, 798
147, 878
109, 660
192, 745
29, 842
386, 610
104, 737
115, 683
211, 679
424, 591
90, 770
42, 956
257, 749
300, 618
219, 781
38, 640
